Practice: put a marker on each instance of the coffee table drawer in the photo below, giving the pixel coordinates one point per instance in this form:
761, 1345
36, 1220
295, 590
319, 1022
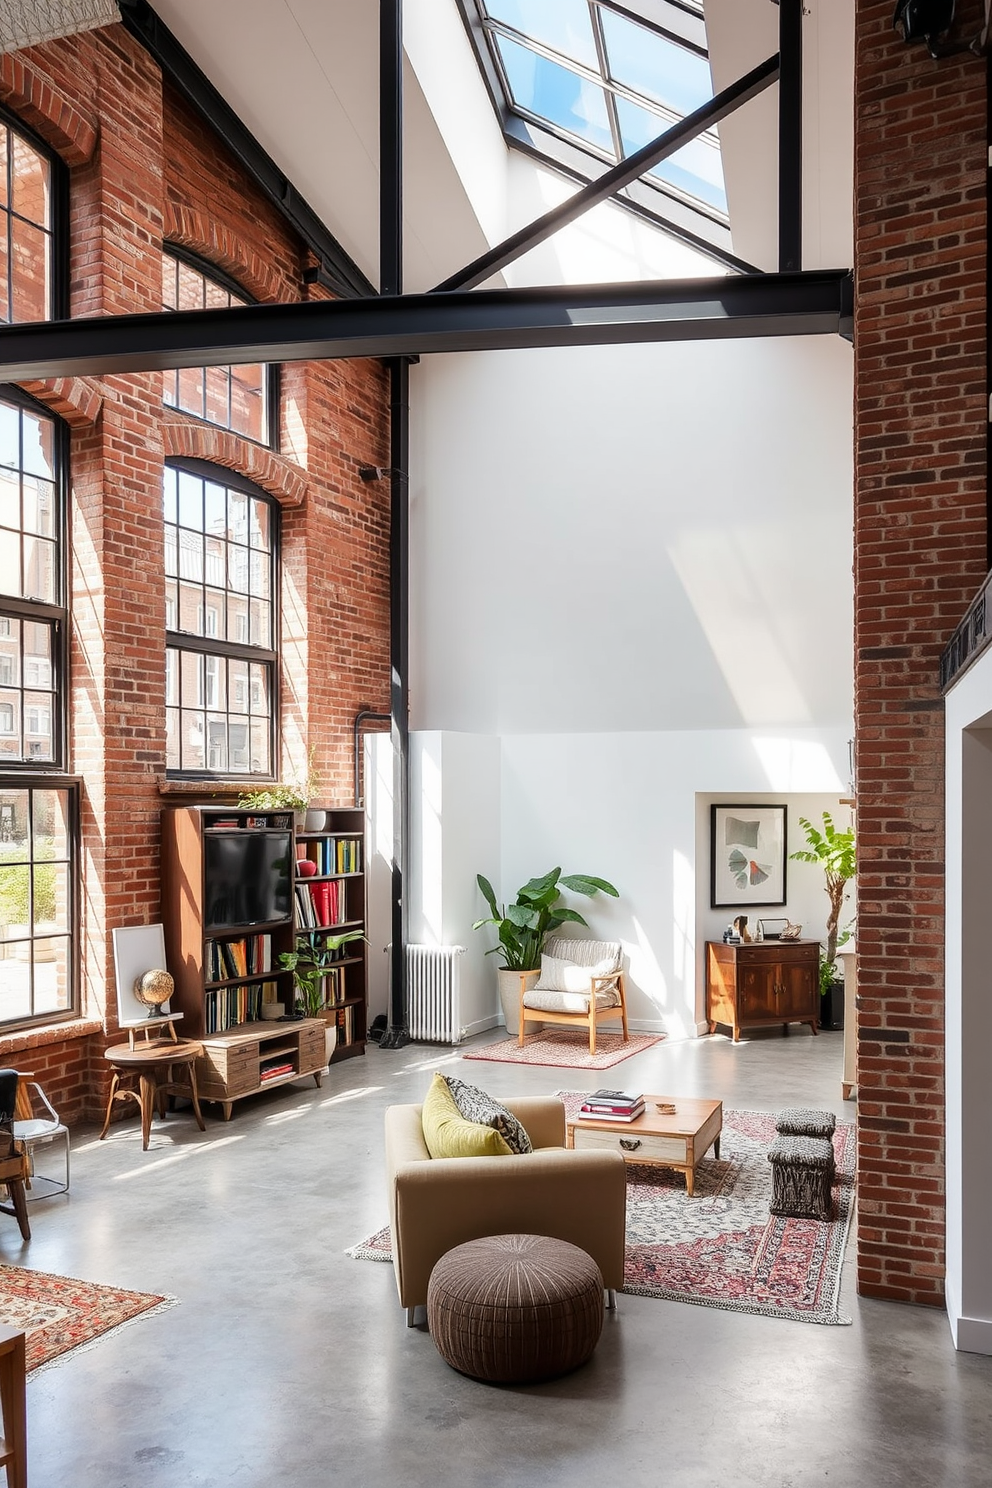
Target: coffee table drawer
630, 1145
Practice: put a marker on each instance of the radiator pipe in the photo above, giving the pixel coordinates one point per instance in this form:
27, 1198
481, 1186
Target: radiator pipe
366, 715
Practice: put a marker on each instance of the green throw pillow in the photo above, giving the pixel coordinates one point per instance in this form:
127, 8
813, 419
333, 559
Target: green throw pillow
448, 1134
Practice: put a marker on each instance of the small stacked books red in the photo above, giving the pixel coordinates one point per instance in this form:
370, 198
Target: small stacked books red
612, 1105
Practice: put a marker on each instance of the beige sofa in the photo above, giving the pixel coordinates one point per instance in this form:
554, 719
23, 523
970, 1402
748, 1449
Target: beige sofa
437, 1203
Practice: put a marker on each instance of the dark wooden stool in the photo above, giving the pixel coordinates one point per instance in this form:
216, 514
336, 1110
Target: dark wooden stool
14, 1443
153, 1064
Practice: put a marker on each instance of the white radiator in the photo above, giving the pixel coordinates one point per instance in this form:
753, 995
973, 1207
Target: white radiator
433, 979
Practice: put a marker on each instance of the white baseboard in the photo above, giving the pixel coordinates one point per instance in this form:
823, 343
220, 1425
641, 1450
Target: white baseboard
482, 1025
972, 1335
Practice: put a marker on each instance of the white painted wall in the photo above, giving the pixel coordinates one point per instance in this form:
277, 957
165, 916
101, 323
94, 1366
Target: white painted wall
968, 1008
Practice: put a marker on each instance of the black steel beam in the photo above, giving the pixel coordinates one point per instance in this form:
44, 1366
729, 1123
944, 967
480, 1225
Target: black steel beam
338, 271
391, 285
723, 308
790, 136
618, 176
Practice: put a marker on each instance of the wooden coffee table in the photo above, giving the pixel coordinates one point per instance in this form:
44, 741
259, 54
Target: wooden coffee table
679, 1141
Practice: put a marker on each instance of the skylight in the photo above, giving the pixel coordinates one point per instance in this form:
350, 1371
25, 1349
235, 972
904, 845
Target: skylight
585, 81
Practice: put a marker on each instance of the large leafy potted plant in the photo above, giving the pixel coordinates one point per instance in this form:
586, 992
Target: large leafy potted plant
522, 926
294, 795
833, 849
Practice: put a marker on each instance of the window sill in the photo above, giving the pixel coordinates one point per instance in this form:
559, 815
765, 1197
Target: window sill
39, 1034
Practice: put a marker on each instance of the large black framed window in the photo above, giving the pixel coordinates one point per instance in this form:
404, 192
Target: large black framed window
240, 398
221, 566
39, 894
39, 805
33, 243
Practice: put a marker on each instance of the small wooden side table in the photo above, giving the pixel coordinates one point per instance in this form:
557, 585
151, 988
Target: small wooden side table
153, 1064
14, 1443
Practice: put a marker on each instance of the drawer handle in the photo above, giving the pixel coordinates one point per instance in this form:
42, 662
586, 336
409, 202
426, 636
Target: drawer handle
630, 1144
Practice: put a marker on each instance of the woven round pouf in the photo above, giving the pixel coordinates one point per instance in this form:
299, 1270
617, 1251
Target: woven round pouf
512, 1309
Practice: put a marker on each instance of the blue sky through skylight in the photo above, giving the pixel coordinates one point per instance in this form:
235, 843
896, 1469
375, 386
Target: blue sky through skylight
649, 80
561, 24
556, 94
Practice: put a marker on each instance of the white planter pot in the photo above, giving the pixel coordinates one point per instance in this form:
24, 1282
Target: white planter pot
509, 996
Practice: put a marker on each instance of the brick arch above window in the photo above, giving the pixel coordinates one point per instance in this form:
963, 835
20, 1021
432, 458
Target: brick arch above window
216, 244
77, 400
192, 440
35, 99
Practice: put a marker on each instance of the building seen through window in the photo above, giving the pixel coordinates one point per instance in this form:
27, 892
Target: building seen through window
235, 398
220, 556
25, 229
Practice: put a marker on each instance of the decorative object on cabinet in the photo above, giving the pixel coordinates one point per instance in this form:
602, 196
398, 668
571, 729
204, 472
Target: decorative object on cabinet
761, 985
747, 855
791, 932
523, 926
329, 909
743, 932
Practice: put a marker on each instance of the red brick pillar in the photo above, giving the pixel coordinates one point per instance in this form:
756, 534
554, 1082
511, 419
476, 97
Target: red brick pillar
920, 553
118, 596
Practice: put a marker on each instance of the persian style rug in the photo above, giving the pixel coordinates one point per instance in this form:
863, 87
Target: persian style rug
565, 1048
60, 1315
722, 1248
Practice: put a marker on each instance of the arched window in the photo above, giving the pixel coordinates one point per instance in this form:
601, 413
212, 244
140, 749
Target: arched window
235, 398
221, 548
31, 187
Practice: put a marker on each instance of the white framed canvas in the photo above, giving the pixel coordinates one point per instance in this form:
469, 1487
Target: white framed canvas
747, 855
137, 949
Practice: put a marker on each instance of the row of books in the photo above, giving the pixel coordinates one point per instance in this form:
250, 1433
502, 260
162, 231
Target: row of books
336, 854
270, 1069
346, 1025
612, 1105
319, 905
228, 1006
238, 958
334, 988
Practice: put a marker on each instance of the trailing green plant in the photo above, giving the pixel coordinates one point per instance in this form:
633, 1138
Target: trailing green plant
295, 795
522, 926
310, 963
832, 849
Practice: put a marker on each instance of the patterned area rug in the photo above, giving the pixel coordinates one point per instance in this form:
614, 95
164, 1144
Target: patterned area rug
60, 1315
564, 1049
722, 1248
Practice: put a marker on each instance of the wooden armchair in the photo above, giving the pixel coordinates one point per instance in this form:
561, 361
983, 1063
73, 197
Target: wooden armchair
581, 985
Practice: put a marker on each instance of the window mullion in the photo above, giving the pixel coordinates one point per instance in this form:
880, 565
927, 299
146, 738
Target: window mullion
596, 22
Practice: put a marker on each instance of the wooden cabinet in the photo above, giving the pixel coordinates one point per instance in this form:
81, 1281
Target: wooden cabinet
770, 982
329, 900
227, 907
255, 1056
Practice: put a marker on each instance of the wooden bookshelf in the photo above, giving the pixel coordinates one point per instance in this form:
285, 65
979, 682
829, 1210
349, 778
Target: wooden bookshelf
227, 906
330, 900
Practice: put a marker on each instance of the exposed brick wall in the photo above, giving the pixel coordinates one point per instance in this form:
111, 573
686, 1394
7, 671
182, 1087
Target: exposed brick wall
920, 553
143, 168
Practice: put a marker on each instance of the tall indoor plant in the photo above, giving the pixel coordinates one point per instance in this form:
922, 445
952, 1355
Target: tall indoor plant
834, 850
310, 961
523, 925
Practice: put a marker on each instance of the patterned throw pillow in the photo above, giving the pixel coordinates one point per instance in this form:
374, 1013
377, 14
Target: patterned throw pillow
448, 1134
478, 1105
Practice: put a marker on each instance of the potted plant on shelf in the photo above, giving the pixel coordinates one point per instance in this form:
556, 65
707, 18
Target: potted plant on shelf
311, 960
833, 849
295, 796
522, 927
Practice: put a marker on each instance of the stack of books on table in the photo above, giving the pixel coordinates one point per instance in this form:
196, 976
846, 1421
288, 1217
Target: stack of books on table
612, 1105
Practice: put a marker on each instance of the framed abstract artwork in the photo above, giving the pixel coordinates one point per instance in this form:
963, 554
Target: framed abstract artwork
747, 855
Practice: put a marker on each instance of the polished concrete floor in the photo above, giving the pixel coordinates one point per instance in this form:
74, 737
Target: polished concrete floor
287, 1363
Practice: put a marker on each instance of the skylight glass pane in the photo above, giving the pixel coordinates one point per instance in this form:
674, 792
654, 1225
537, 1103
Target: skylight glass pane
556, 94
561, 24
696, 169
654, 66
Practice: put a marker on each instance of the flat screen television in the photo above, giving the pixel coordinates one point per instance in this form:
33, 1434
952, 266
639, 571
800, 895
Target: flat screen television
247, 878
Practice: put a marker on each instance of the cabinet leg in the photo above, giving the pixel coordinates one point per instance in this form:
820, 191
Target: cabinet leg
228, 1108
737, 1033
812, 1024
318, 1075
711, 1028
